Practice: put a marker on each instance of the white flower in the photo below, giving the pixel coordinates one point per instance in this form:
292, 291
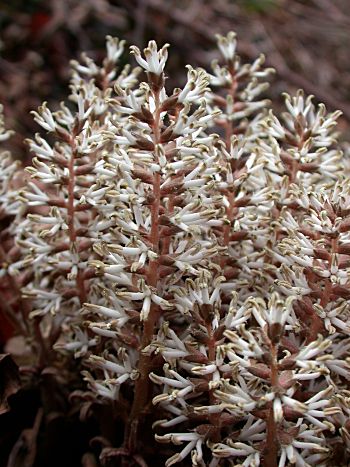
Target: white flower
4, 134
80, 344
227, 45
155, 59
194, 441
45, 118
197, 82
115, 48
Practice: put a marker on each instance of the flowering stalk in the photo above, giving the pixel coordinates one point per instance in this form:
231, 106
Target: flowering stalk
141, 397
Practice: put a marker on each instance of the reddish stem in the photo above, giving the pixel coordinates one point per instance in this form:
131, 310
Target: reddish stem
230, 210
213, 418
71, 221
142, 385
271, 449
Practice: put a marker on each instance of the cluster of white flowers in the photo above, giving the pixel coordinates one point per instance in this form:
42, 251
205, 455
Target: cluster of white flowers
202, 274
8, 171
11, 209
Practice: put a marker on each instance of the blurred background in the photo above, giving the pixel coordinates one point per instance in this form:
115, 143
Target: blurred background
307, 41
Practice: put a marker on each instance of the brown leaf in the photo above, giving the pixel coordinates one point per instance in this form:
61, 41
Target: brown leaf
24, 451
85, 410
20, 351
9, 381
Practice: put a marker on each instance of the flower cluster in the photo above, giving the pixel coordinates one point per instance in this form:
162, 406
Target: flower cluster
191, 249
9, 169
